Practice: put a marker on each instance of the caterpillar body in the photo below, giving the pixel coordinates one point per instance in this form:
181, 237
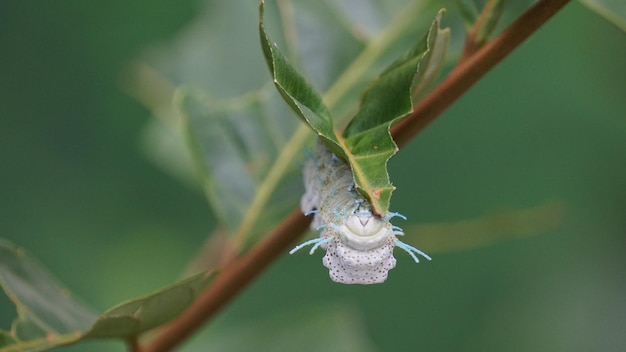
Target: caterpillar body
359, 245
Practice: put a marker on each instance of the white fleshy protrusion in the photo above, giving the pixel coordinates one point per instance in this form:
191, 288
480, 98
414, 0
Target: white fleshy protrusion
349, 266
359, 245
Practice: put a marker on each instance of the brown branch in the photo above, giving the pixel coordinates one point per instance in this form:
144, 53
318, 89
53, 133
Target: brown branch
242, 271
229, 282
472, 69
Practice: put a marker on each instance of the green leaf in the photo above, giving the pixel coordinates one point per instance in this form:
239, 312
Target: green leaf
49, 316
38, 296
324, 40
613, 11
389, 27
433, 61
297, 92
235, 145
387, 100
366, 142
6, 339
136, 316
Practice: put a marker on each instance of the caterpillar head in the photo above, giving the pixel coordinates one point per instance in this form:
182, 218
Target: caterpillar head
364, 231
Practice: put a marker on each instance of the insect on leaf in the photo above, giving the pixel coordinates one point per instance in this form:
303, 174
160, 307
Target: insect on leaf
366, 143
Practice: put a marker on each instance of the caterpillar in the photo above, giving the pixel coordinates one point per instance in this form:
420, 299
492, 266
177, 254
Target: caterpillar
359, 245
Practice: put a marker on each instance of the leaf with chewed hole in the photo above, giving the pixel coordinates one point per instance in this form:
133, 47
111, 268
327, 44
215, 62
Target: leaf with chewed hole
387, 100
366, 142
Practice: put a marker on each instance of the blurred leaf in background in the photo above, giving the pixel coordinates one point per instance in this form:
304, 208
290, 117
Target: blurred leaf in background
75, 190
613, 11
50, 315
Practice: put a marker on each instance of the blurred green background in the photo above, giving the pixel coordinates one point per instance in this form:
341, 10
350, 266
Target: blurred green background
549, 123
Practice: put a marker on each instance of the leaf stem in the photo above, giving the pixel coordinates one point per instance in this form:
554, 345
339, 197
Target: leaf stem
472, 41
242, 271
470, 70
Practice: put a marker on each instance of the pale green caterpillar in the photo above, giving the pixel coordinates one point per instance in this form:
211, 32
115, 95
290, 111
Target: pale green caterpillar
359, 245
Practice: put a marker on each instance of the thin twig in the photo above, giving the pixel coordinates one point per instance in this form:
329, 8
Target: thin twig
472, 42
242, 271
472, 69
